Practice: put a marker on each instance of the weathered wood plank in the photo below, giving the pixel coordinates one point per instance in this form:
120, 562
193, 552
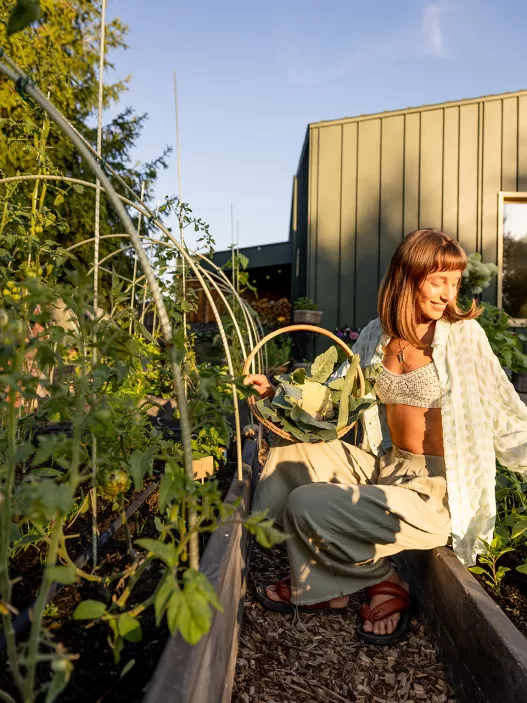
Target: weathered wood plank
204, 673
484, 654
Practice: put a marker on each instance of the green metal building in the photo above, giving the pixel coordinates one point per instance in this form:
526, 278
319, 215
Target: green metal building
364, 182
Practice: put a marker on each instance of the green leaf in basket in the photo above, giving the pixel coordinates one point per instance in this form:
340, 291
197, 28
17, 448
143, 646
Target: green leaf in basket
267, 411
344, 406
322, 367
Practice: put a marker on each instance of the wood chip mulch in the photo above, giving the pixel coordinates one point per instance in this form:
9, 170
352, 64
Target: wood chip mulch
318, 658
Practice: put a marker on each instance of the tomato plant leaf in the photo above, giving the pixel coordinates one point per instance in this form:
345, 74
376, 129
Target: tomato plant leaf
126, 668
66, 575
194, 579
89, 610
161, 550
129, 628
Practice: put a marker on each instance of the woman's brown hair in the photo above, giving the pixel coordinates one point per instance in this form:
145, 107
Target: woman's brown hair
420, 253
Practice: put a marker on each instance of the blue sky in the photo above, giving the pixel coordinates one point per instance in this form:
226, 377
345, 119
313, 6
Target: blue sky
252, 75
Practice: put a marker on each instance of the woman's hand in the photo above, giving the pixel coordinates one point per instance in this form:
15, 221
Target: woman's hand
261, 384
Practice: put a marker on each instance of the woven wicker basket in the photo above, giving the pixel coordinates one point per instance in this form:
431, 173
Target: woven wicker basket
297, 328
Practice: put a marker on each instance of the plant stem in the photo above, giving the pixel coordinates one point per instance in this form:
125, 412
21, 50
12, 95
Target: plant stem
126, 528
5, 526
37, 615
6, 697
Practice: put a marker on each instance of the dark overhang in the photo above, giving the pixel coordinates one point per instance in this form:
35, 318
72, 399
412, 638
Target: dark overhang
275, 254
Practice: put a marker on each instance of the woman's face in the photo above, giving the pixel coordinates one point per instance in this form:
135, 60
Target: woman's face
438, 289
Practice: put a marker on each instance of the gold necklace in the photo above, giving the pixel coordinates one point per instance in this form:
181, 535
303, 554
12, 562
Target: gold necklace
400, 353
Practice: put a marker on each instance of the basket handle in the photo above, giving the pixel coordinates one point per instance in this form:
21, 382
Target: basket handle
302, 328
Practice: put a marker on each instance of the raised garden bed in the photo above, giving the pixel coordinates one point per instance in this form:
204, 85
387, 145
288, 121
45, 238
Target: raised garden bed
97, 677
484, 653
204, 673
512, 596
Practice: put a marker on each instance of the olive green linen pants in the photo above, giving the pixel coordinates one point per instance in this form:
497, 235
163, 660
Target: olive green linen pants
347, 511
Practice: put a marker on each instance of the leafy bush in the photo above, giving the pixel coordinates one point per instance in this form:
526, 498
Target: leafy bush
477, 276
505, 343
304, 304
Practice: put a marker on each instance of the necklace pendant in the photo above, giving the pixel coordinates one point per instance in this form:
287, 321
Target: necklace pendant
400, 356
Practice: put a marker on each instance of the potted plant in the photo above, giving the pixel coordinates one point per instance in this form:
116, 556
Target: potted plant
305, 312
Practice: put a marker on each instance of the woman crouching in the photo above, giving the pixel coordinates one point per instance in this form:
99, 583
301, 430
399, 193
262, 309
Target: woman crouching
424, 476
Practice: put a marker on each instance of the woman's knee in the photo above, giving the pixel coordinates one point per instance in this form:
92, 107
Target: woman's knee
311, 499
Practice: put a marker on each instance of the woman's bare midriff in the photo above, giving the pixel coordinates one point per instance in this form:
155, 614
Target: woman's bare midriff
416, 430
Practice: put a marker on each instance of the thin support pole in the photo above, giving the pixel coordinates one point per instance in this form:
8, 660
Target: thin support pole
181, 213
139, 218
95, 535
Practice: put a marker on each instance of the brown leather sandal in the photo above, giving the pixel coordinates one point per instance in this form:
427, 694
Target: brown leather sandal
400, 603
283, 589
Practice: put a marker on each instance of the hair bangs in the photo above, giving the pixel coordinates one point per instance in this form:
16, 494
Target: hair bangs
449, 257
419, 254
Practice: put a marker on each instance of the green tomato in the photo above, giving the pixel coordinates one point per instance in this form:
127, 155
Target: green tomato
173, 513
102, 414
4, 319
62, 665
114, 482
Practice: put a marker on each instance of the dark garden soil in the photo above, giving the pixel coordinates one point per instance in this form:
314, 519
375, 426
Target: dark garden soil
512, 597
96, 677
318, 658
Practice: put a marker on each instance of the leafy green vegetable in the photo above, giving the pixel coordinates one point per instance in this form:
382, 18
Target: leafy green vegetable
322, 367
346, 392
313, 407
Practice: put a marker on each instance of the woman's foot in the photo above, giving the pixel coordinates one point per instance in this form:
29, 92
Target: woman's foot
389, 624
340, 602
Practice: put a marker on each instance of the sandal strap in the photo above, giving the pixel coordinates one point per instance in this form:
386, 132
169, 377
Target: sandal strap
387, 588
384, 610
283, 589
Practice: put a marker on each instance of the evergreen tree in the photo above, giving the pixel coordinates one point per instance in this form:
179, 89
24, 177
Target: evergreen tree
61, 55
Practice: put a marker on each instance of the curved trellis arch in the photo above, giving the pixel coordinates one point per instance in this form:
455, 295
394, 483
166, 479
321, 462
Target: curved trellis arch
24, 84
219, 289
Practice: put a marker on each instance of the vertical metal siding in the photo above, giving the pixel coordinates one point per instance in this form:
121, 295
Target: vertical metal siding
368, 220
522, 143
372, 180
451, 171
392, 191
411, 172
299, 264
468, 177
509, 146
431, 172
348, 224
492, 158
312, 213
328, 226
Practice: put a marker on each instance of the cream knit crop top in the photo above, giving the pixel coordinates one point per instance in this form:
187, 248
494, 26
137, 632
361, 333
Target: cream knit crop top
420, 387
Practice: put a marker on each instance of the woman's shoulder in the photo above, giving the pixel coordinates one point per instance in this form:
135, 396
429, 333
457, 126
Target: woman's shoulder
468, 334
373, 327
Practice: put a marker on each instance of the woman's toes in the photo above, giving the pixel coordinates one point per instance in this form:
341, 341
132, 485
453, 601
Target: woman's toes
367, 626
272, 594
